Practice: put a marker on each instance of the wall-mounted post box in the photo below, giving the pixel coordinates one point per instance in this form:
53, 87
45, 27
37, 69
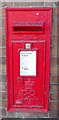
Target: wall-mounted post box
28, 37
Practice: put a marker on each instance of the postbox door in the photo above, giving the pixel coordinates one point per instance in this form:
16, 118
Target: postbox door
28, 85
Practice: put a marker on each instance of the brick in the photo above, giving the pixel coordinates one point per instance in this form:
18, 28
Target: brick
54, 52
1, 104
54, 88
58, 96
54, 96
3, 32
57, 113
58, 88
3, 12
0, 95
4, 95
58, 21
53, 113
0, 4
54, 79
54, 70
2, 60
57, 60
7, 4
58, 3
54, 61
2, 69
0, 12
48, 3
53, 105
4, 87
2, 51
0, 35
56, 11
0, 112
58, 41
4, 103
54, 4
0, 41
0, 31
55, 41
28, 3
58, 51
0, 87
3, 112
55, 31
55, 21
3, 41
3, 23
2, 78
3, 4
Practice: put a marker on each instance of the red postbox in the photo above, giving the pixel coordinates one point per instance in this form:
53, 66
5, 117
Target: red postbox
28, 38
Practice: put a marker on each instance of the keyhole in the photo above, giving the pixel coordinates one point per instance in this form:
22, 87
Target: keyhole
19, 79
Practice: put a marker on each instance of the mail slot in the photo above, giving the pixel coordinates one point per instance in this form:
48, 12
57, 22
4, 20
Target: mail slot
27, 27
28, 38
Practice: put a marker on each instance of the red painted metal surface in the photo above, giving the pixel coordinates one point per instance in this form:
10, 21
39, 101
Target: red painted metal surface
28, 93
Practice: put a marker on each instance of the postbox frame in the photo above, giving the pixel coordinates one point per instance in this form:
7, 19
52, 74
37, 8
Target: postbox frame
9, 106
